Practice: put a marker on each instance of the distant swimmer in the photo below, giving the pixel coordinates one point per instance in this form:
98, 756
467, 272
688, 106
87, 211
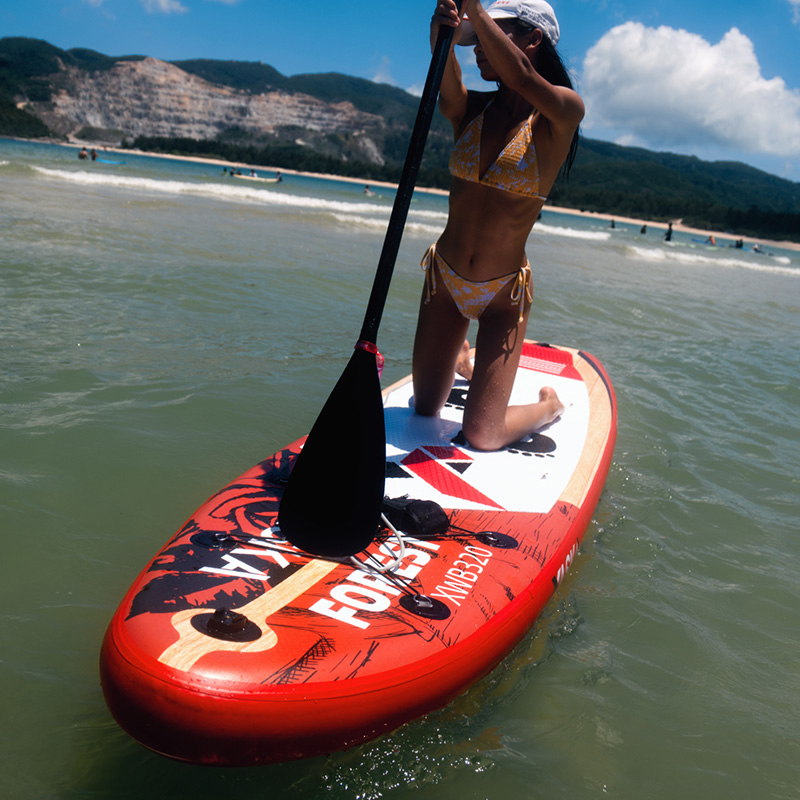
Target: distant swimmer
83, 155
613, 224
94, 154
711, 240
278, 176
368, 191
668, 234
643, 229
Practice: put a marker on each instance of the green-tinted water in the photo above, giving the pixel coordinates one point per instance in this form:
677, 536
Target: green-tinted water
163, 329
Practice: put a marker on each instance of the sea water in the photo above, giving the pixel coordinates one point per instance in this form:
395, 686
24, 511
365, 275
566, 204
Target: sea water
165, 326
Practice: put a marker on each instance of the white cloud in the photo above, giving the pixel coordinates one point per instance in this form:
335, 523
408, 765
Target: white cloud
164, 7
795, 4
384, 73
667, 87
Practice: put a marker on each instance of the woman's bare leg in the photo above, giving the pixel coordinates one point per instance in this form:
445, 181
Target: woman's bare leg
438, 346
464, 362
489, 422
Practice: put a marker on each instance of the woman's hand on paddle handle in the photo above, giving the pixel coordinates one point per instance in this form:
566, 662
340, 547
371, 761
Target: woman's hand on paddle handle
453, 93
446, 14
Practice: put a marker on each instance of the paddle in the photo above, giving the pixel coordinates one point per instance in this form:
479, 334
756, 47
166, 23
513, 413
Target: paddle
332, 502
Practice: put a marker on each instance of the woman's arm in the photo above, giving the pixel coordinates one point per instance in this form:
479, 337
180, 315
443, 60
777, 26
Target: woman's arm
562, 106
453, 93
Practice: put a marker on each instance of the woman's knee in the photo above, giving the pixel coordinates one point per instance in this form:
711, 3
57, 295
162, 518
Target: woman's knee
425, 406
431, 389
481, 436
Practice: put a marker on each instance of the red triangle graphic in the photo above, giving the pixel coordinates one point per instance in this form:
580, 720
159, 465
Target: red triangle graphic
444, 480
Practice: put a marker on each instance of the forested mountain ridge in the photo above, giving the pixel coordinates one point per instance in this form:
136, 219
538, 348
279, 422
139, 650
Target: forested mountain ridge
339, 124
664, 186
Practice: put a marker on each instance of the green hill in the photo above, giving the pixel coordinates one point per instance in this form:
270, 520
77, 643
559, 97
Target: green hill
665, 186
607, 178
242, 75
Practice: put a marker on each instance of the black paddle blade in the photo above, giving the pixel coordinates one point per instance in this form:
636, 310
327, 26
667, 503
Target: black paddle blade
332, 503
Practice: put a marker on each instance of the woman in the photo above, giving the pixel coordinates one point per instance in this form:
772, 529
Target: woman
478, 268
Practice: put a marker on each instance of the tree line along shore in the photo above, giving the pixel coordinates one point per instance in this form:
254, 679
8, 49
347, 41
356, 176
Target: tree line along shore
657, 227
605, 179
619, 181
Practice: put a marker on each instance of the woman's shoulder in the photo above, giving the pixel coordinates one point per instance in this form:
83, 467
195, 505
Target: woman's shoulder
476, 103
473, 105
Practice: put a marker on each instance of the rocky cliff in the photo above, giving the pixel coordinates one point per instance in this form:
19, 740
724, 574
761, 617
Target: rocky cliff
154, 98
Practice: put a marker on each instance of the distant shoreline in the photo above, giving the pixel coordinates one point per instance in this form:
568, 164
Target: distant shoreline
677, 225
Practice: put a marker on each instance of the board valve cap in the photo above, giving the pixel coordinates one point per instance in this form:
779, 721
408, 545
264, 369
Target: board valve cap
225, 622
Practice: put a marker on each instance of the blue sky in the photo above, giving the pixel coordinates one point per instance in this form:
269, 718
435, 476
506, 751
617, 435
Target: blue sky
719, 79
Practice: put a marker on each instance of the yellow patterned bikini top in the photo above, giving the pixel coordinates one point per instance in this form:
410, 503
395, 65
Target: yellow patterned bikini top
515, 170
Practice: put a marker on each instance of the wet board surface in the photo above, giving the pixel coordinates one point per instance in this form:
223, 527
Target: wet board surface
526, 477
328, 654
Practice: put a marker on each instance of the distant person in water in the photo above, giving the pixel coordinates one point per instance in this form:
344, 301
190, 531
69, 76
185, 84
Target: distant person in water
83, 155
478, 269
278, 176
613, 224
643, 229
94, 154
668, 234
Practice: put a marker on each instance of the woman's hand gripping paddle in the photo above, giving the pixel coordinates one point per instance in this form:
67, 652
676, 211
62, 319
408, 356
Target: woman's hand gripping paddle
332, 503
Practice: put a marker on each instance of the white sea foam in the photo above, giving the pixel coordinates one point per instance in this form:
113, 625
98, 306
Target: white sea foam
372, 223
372, 215
756, 262
571, 233
438, 216
364, 214
432, 223
219, 191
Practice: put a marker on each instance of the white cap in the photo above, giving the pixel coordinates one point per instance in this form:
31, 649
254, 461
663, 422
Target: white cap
536, 13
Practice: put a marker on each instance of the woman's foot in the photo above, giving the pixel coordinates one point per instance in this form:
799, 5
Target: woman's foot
552, 407
464, 362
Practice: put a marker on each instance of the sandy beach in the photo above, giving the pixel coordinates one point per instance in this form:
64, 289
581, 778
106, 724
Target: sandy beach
677, 225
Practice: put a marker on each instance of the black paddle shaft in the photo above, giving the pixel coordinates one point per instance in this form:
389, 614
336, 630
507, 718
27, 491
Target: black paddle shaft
405, 189
331, 505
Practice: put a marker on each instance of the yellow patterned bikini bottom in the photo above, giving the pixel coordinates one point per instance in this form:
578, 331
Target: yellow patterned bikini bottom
472, 297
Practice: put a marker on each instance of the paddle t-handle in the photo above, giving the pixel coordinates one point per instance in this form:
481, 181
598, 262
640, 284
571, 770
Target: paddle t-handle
332, 502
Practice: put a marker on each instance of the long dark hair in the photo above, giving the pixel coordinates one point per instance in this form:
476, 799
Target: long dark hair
550, 66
